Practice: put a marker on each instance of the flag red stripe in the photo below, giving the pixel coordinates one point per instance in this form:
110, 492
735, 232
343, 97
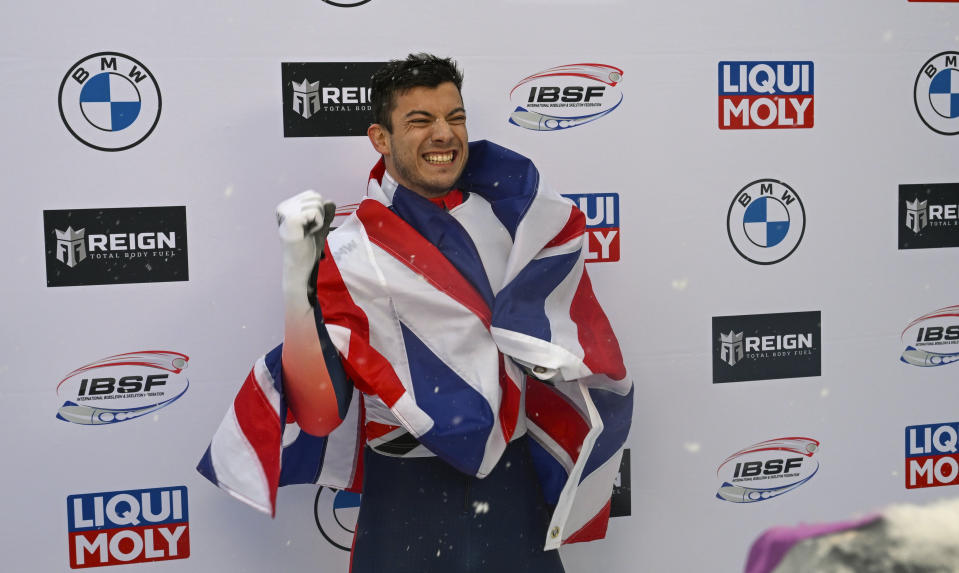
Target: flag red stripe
260, 424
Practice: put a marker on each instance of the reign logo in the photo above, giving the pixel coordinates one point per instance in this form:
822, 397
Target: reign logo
928, 215
917, 215
732, 347
70, 248
766, 346
327, 99
115, 246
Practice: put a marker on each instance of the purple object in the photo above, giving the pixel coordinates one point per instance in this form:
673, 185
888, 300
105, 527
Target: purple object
769, 548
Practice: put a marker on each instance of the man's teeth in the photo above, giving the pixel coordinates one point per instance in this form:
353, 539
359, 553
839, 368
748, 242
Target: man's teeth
439, 157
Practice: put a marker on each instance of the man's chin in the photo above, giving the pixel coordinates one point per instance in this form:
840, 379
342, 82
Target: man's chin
440, 186
435, 190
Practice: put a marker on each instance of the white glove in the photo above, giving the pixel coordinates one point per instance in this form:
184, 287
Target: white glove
303, 223
304, 214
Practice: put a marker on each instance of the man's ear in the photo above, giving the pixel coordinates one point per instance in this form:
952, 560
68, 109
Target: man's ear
380, 138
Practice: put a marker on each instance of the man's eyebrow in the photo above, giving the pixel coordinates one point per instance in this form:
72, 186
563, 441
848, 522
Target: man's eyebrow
428, 114
418, 112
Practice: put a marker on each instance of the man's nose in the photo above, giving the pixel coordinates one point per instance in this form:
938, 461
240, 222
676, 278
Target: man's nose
441, 130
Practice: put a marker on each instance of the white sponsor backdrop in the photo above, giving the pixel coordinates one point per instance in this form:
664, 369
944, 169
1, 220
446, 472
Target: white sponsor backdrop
219, 150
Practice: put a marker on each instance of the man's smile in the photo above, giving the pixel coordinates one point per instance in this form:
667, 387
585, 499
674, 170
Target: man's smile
440, 158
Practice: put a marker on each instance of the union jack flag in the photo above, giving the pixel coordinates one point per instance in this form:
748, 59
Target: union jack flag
433, 313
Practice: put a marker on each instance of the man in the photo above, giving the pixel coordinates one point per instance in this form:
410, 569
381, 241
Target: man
448, 318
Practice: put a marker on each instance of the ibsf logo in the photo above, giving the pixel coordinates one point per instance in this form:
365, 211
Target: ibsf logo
932, 459
602, 225
765, 95
132, 526
767, 469
122, 387
566, 96
932, 339
109, 101
335, 512
766, 221
936, 93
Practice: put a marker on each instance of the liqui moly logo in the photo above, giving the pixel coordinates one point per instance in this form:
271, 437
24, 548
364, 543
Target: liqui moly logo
932, 458
602, 225
132, 526
765, 95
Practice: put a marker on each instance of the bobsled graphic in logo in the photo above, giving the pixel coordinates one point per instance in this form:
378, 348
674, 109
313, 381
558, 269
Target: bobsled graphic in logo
335, 512
133, 526
932, 459
566, 96
767, 469
765, 95
109, 101
932, 339
602, 225
122, 387
936, 93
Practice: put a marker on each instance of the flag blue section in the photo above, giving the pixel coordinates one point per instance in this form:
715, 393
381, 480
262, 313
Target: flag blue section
462, 418
520, 306
447, 235
511, 192
552, 475
617, 414
302, 459
205, 467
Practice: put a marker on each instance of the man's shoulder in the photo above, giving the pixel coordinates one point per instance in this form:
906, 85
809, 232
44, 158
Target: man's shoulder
486, 150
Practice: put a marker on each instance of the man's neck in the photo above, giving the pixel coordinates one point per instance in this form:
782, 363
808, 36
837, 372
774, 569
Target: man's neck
390, 183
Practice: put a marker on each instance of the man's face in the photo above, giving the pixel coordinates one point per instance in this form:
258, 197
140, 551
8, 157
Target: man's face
427, 150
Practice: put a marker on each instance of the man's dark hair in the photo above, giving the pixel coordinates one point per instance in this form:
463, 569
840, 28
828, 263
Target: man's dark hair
400, 76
